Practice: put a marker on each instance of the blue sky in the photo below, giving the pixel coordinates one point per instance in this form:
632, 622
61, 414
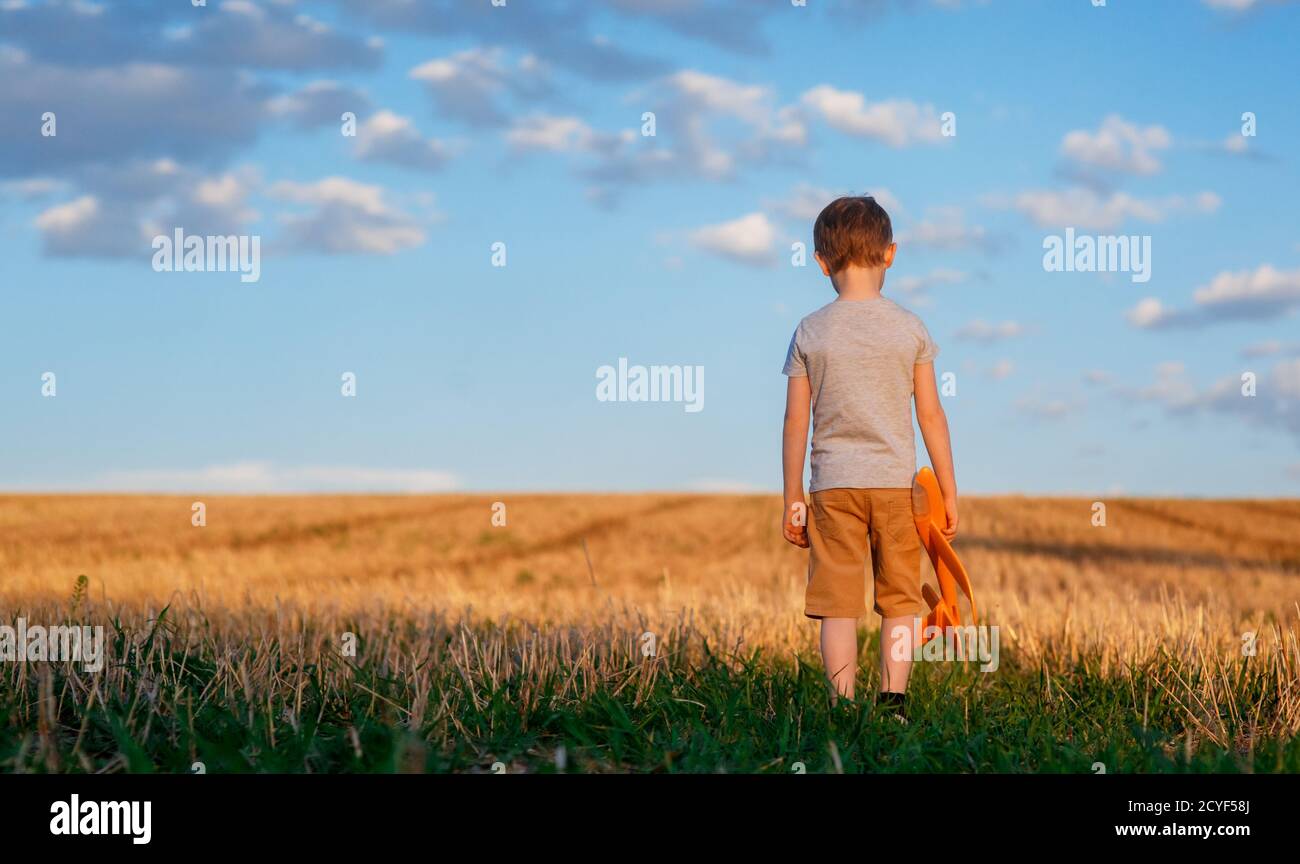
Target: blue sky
523, 125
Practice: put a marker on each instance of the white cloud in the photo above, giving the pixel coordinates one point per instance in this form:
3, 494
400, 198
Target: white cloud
218, 204
1235, 143
1267, 348
469, 85
348, 217
85, 227
563, 134
946, 228
1117, 145
691, 101
387, 137
1271, 348
129, 204
1231, 5
748, 240
982, 331
319, 103
1171, 387
1149, 312
918, 287
754, 105
332, 190
1084, 208
1097, 376
111, 107
1047, 409
1276, 393
1002, 370
243, 33
706, 128
749, 102
557, 134
69, 217
266, 477
1263, 291
896, 122
34, 188
1259, 294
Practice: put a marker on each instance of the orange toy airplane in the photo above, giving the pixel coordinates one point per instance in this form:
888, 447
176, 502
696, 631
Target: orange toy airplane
928, 511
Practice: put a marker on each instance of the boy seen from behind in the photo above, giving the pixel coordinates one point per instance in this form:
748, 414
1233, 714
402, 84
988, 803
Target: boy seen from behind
856, 364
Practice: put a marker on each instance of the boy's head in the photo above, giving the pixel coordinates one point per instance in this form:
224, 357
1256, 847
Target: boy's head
853, 231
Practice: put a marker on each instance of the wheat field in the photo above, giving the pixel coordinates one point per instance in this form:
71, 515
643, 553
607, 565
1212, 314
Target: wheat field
1166, 639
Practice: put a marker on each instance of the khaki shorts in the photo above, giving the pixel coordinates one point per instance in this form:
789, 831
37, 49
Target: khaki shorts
847, 527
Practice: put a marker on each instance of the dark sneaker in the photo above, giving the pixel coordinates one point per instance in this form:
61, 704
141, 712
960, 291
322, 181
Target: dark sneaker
894, 705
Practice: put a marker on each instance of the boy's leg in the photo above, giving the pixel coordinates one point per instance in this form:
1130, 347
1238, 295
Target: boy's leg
896, 653
836, 593
896, 565
840, 654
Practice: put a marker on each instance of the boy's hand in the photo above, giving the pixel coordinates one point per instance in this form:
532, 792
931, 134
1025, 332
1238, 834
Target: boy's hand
794, 525
950, 510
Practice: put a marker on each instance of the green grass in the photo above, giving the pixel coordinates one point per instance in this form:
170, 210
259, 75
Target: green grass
435, 696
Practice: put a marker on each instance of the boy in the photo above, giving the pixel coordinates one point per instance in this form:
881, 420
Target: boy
858, 361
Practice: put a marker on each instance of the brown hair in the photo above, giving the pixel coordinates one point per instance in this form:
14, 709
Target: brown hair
852, 230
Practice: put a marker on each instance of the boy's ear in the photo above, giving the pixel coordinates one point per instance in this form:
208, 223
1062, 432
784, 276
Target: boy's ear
889, 255
826, 271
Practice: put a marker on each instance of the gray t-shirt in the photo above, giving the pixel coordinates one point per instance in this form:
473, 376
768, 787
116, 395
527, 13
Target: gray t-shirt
859, 356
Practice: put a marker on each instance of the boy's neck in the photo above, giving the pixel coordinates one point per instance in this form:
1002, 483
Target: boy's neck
859, 283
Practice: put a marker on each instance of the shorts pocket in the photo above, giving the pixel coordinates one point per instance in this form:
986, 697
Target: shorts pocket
824, 520
899, 522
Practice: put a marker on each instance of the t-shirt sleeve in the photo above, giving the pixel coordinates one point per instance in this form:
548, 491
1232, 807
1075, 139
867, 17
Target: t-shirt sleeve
927, 350
795, 366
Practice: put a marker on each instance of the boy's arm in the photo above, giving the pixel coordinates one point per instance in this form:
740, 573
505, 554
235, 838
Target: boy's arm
934, 429
794, 446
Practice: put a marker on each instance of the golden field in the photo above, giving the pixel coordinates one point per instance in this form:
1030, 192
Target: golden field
1179, 583
1158, 570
